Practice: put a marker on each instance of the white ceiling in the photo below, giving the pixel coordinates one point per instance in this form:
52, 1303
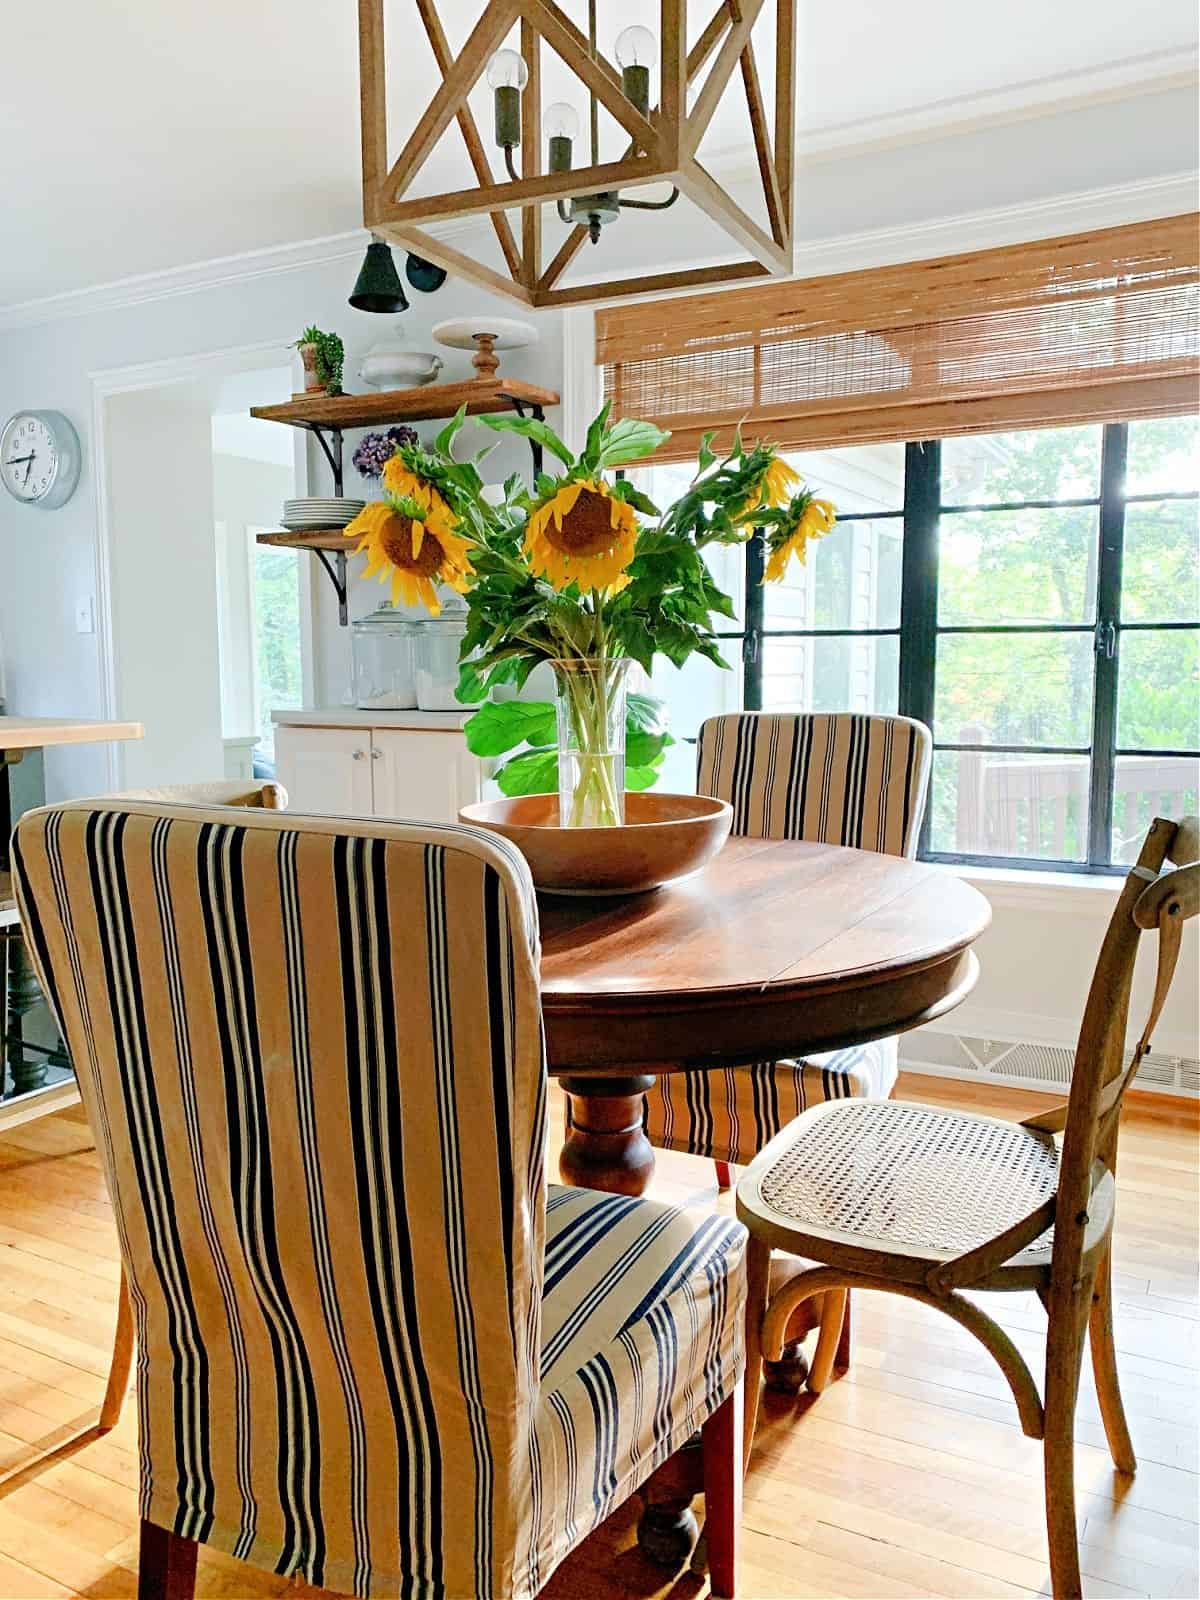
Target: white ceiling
137, 136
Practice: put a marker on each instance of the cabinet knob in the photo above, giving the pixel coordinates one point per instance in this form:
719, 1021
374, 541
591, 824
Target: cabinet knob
376, 755
359, 755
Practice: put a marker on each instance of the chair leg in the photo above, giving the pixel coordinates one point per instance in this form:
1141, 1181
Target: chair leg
724, 1175
1104, 1365
758, 1279
166, 1565
722, 1444
841, 1360
1064, 1357
122, 1360
833, 1310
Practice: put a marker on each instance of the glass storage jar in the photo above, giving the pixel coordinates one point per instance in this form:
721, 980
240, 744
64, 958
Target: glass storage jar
438, 643
384, 668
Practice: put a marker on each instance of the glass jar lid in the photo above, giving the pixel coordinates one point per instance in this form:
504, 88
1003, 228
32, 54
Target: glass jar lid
386, 620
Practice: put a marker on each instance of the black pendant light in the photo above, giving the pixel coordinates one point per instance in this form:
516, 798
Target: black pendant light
424, 275
378, 286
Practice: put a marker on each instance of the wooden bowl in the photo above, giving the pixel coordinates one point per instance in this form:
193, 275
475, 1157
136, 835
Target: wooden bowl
665, 836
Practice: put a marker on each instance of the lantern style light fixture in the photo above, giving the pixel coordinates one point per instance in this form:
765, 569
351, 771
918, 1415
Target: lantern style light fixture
645, 88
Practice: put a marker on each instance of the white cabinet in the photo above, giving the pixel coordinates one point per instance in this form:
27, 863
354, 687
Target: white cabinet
401, 774
326, 770
423, 777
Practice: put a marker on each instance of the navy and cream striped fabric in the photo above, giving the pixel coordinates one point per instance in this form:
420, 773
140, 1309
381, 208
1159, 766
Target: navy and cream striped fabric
831, 778
311, 1053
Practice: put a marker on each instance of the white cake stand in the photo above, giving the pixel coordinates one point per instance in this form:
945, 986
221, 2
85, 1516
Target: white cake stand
485, 336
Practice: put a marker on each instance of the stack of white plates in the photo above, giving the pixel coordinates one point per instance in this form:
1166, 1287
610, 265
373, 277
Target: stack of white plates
301, 514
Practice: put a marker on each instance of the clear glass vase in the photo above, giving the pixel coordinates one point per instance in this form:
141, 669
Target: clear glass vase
590, 701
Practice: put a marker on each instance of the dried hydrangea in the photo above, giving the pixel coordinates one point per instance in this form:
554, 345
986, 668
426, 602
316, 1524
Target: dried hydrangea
375, 450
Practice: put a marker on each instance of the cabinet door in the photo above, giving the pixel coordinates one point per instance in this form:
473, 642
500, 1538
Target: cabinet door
423, 777
325, 770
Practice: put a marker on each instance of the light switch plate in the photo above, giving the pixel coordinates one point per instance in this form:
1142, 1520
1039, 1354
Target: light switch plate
85, 616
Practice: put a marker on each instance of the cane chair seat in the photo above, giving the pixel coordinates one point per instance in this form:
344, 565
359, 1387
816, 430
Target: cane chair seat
864, 1180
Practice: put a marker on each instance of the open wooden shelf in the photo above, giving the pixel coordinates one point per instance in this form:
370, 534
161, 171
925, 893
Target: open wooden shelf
332, 539
429, 403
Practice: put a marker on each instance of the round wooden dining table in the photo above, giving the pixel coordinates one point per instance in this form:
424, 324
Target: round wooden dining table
778, 948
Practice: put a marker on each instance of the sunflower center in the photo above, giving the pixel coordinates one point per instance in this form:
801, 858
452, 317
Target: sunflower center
396, 543
586, 529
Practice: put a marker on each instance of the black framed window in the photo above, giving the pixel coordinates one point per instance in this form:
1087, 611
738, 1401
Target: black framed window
1034, 597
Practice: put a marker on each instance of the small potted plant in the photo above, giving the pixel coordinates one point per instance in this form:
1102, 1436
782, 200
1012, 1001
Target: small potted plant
322, 355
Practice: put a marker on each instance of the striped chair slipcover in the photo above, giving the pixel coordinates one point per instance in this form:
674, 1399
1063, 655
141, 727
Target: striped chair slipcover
835, 779
371, 1350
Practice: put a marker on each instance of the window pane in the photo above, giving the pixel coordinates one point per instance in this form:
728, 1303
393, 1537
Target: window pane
1160, 577
1018, 566
1032, 807
850, 674
1147, 787
276, 636
1014, 689
693, 692
850, 579
1039, 464
864, 477
1164, 456
1158, 693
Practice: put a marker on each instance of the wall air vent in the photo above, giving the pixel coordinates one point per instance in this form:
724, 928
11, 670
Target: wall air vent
1031, 1064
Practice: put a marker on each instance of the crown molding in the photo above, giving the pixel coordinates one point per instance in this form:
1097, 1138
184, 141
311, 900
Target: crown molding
244, 267
975, 230
1107, 207
1157, 72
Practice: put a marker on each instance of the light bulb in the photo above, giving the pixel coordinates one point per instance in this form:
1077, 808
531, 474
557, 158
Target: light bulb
507, 70
561, 121
636, 47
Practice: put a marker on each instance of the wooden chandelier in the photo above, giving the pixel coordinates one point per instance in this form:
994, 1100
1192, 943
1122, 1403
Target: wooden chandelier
662, 145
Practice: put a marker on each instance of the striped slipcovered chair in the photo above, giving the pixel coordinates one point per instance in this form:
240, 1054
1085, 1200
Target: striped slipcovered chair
833, 778
372, 1349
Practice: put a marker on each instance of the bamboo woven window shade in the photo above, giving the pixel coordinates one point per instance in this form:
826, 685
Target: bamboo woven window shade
1091, 327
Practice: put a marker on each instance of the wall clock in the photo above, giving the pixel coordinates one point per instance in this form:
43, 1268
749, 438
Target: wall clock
39, 458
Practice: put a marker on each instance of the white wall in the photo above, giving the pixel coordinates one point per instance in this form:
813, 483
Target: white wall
164, 584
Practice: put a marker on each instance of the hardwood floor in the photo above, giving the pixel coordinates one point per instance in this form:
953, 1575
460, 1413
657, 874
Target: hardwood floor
910, 1477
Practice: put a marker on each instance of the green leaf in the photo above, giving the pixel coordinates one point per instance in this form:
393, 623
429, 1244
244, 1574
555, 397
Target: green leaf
641, 777
535, 772
539, 432
624, 490
630, 441
445, 439
502, 726
595, 436
645, 714
470, 688
705, 454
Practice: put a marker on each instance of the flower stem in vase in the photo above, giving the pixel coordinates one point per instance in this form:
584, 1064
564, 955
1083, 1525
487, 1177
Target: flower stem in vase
591, 741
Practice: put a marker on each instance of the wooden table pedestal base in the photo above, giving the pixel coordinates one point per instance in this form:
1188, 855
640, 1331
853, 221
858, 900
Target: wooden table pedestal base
606, 1145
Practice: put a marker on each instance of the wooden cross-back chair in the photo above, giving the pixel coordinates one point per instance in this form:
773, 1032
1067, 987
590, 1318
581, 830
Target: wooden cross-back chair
268, 796
927, 1203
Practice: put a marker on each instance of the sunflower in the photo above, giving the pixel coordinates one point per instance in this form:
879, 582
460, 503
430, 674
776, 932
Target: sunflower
779, 484
582, 534
806, 518
413, 544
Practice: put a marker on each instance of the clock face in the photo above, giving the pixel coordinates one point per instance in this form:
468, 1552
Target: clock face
39, 458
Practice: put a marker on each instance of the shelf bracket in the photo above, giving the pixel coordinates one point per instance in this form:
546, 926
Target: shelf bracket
332, 449
539, 416
337, 576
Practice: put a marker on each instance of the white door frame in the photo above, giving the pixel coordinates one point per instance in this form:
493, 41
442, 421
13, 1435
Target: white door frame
154, 375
